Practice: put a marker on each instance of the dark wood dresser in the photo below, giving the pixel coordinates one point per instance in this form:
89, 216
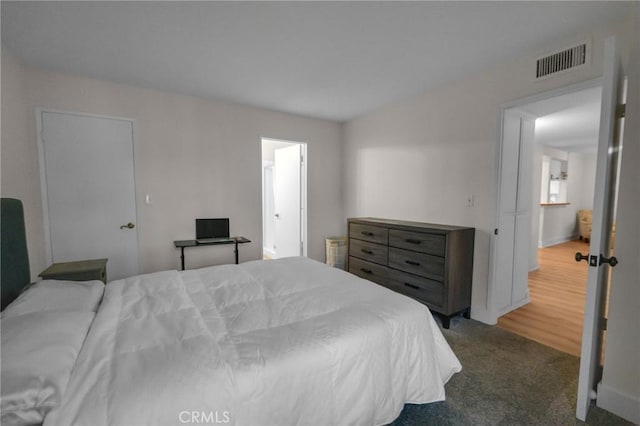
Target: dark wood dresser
430, 263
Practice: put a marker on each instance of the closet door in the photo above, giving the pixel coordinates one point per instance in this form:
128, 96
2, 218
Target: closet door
514, 223
89, 190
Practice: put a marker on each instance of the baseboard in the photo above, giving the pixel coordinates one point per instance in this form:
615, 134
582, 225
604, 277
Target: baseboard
625, 406
554, 241
483, 317
514, 306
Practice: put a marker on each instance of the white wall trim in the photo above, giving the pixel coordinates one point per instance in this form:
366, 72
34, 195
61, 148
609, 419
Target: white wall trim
43, 187
554, 241
619, 403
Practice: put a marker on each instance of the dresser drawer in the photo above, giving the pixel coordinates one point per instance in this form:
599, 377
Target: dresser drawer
368, 251
368, 270
418, 241
374, 234
424, 289
421, 264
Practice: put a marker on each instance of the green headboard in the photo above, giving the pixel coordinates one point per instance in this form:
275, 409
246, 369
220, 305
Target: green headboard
14, 269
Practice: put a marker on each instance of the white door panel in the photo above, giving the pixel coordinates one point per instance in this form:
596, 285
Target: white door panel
510, 273
504, 265
90, 190
603, 208
520, 286
287, 201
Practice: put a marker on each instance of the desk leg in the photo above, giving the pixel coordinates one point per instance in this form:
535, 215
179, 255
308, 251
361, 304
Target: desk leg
182, 257
236, 252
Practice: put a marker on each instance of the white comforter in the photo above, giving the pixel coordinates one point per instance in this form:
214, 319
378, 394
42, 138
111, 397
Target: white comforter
281, 342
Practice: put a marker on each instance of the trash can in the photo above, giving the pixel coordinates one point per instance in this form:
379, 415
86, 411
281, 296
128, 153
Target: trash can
336, 251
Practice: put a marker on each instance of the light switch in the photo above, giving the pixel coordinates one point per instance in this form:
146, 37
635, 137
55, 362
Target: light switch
147, 199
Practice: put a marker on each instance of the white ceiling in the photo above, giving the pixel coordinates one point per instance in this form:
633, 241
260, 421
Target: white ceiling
333, 60
568, 122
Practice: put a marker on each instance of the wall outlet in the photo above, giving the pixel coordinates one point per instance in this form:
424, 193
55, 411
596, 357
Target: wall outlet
469, 201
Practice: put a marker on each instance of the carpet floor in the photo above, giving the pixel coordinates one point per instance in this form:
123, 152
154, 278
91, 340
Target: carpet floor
505, 380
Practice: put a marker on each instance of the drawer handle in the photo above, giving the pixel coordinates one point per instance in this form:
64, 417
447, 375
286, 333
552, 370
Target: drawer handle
366, 271
366, 251
412, 263
415, 287
413, 241
368, 234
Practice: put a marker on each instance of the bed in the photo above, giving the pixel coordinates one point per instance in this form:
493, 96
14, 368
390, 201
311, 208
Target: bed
280, 342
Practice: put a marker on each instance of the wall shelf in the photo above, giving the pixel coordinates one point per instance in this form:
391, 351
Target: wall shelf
553, 204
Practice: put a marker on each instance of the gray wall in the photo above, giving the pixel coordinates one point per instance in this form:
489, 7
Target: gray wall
419, 159
197, 158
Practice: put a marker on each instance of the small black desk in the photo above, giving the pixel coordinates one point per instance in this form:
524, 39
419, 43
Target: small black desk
181, 244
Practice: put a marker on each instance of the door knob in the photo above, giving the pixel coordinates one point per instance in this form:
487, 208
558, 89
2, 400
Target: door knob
580, 256
128, 226
612, 261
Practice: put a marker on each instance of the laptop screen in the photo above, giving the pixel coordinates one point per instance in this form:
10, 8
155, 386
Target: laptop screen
212, 228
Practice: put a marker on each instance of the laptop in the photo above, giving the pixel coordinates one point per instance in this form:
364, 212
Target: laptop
212, 230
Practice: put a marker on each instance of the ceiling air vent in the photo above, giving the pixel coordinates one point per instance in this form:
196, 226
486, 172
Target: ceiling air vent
562, 61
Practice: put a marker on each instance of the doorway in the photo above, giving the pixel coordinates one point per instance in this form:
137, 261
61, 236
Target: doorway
88, 189
564, 165
600, 257
284, 198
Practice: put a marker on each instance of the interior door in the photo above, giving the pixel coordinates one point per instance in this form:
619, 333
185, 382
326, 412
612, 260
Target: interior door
600, 257
287, 201
89, 190
514, 221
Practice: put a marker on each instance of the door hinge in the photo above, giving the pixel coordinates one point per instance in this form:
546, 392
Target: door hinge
302, 160
603, 324
621, 110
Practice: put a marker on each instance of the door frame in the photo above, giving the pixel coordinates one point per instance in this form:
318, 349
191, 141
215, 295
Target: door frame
492, 309
43, 179
304, 216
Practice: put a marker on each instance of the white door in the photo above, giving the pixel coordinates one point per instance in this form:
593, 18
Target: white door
89, 190
514, 209
602, 221
287, 201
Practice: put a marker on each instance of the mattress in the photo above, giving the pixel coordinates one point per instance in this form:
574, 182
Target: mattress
279, 342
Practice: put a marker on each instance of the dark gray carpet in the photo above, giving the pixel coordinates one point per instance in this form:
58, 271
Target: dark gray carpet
505, 380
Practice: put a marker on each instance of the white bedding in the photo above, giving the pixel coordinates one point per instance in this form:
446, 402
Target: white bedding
279, 342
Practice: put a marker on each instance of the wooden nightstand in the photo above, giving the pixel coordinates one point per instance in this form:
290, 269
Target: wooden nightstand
84, 270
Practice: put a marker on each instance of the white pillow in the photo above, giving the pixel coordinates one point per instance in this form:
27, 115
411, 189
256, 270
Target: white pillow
54, 295
39, 350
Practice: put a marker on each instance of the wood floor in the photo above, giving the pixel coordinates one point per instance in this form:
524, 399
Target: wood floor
555, 314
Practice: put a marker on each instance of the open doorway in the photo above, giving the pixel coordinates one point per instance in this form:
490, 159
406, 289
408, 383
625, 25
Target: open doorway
563, 169
564, 162
284, 198
510, 249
